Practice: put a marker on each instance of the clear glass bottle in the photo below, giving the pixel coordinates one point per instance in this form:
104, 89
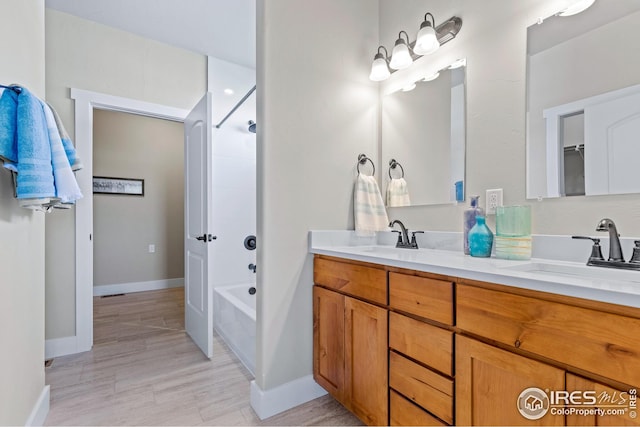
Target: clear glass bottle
480, 239
469, 220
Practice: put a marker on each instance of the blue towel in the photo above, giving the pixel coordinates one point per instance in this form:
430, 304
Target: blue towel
8, 126
35, 174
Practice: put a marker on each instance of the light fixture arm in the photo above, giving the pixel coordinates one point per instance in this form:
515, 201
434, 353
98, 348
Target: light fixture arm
386, 53
407, 35
433, 20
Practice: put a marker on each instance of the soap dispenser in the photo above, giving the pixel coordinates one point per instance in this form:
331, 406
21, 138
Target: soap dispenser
470, 215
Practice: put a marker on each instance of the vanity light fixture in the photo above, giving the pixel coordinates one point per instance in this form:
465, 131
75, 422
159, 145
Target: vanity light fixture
577, 7
404, 52
400, 56
380, 67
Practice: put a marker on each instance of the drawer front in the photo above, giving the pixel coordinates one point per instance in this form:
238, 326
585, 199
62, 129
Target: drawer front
424, 297
404, 413
602, 343
357, 280
425, 343
422, 386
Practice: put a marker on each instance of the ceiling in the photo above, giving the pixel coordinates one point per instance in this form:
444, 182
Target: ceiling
225, 29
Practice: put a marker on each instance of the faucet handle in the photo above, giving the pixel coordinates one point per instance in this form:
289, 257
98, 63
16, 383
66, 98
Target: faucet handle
596, 249
635, 257
399, 242
413, 237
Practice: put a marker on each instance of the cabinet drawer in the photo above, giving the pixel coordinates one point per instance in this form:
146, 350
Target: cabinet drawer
425, 343
422, 386
603, 343
424, 297
357, 280
405, 413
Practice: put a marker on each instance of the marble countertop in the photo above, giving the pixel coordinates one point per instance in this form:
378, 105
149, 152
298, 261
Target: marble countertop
567, 278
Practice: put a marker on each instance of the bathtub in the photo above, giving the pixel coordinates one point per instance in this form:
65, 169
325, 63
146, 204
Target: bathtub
234, 318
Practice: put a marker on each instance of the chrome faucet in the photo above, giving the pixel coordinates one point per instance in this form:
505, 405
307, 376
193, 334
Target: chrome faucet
403, 236
615, 251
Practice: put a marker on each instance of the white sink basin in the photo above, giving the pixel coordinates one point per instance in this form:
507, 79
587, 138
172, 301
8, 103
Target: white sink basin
583, 271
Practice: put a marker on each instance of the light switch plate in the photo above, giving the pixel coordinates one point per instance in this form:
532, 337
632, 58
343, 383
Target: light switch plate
494, 199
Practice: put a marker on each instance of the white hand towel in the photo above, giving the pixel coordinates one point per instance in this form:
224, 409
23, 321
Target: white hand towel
368, 207
398, 193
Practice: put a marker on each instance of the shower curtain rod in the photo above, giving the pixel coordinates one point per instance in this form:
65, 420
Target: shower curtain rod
233, 110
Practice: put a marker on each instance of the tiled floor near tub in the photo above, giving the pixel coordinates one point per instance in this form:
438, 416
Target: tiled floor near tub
145, 370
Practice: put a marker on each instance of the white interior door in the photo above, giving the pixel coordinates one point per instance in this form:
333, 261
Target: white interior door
198, 199
612, 152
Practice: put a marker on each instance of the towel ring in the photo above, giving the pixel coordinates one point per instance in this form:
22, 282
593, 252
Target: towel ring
362, 159
392, 165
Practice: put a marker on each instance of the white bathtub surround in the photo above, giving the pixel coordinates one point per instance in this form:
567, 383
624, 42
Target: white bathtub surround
234, 318
267, 403
560, 256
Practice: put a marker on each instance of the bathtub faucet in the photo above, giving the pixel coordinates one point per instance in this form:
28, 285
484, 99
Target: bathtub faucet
252, 267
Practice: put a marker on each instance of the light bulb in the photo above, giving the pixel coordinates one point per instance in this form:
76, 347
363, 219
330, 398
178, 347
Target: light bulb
400, 56
426, 41
379, 69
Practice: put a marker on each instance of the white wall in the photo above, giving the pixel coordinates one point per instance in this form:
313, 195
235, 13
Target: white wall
90, 56
133, 146
317, 110
493, 39
21, 232
234, 173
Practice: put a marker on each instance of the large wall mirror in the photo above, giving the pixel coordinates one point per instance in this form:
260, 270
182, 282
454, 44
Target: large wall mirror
423, 131
583, 102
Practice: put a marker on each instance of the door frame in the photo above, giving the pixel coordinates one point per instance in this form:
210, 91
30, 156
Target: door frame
85, 103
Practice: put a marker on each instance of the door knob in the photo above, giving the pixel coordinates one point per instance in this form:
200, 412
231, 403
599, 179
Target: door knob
206, 238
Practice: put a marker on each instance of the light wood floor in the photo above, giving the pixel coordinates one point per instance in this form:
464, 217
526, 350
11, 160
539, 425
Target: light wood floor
145, 370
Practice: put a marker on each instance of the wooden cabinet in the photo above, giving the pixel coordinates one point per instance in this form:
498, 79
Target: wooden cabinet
404, 413
608, 343
328, 341
609, 401
366, 366
490, 380
393, 345
350, 338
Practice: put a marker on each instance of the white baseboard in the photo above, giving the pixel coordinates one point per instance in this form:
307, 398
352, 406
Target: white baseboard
267, 403
40, 409
127, 288
60, 347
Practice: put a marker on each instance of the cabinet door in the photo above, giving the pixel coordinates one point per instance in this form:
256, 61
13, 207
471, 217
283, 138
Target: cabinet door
489, 382
608, 402
328, 341
366, 361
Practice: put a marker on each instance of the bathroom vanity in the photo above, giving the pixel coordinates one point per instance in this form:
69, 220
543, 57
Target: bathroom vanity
431, 337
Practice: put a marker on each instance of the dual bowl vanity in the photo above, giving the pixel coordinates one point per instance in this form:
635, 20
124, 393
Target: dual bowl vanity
434, 337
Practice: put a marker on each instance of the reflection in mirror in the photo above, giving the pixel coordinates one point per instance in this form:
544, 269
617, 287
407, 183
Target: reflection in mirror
423, 130
583, 102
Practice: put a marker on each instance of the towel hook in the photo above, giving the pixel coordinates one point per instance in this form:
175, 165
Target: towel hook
392, 165
362, 159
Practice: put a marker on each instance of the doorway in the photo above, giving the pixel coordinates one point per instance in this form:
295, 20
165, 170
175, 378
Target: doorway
86, 102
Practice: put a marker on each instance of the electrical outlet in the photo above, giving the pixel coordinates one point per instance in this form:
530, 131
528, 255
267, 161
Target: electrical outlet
152, 249
494, 199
